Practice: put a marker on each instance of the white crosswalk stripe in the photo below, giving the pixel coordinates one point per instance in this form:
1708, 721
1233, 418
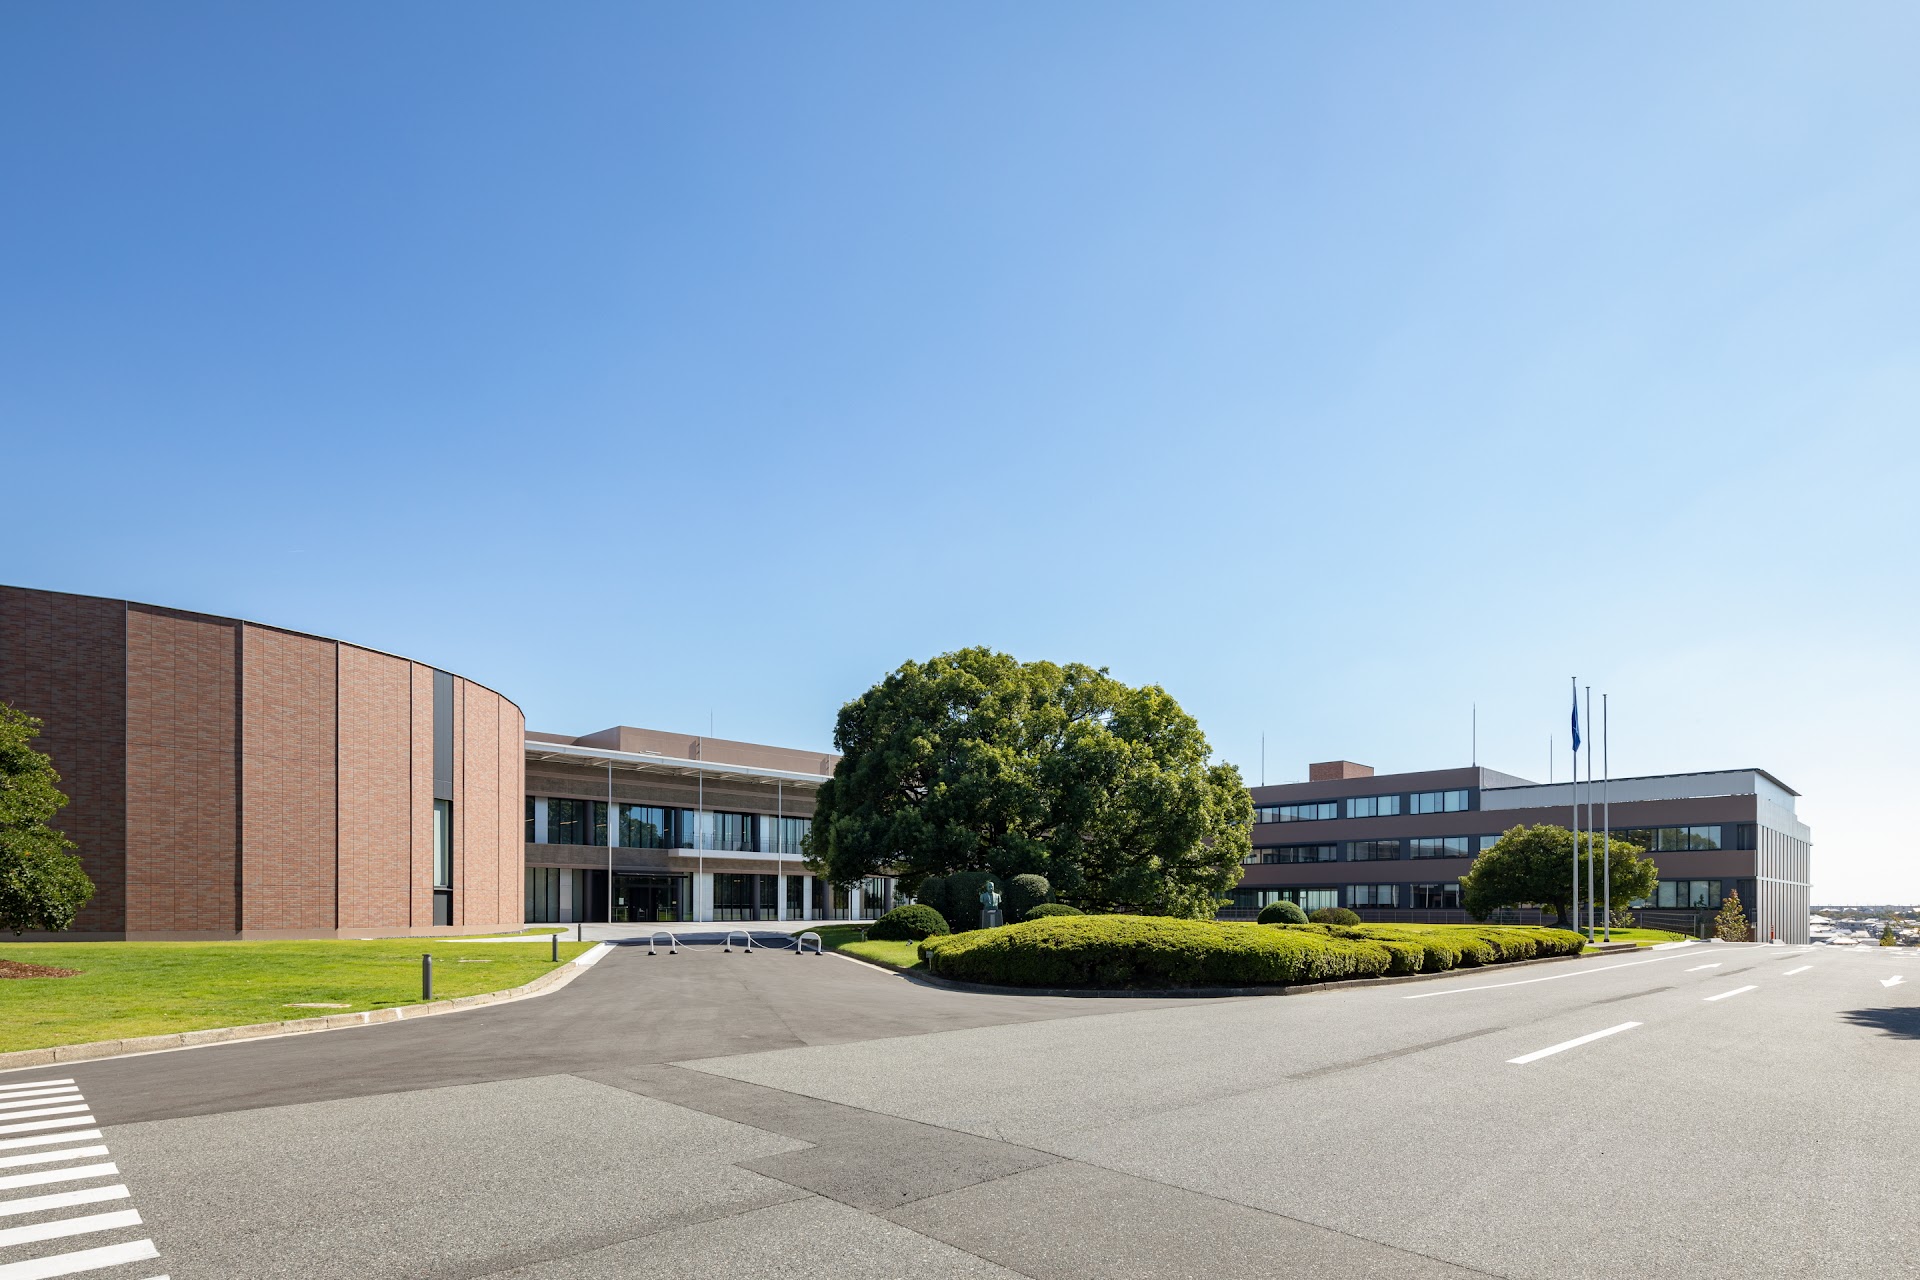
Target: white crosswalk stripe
46, 1134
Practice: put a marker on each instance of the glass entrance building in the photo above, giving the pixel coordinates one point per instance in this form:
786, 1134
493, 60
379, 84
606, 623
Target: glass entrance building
636, 826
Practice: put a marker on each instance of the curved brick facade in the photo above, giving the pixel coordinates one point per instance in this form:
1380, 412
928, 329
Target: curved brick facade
231, 779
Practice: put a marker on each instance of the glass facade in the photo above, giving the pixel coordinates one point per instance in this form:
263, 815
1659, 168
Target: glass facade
1296, 853
443, 845
1440, 847
1671, 839
1372, 850
644, 826
566, 821
1688, 893
1436, 897
1296, 812
1373, 895
1441, 801
784, 836
1373, 806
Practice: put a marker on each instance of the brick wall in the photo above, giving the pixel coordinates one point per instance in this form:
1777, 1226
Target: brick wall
511, 762
376, 790
420, 810
64, 659
182, 788
288, 805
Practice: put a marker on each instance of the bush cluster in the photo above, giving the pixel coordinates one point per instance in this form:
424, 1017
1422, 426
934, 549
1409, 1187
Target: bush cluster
1282, 912
956, 897
910, 923
1022, 894
1046, 909
1158, 951
1335, 915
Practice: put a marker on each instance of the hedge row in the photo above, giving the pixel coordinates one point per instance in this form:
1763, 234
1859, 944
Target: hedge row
1156, 951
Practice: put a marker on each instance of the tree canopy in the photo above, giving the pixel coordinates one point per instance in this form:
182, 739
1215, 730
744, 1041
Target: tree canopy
41, 884
1535, 865
975, 761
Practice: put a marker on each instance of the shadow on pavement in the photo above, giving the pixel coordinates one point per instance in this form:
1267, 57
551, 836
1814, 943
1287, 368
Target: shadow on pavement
1904, 1023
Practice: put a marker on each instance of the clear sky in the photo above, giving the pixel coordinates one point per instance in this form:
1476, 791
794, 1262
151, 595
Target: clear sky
1334, 366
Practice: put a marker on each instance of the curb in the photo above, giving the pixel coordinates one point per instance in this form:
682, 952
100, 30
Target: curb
1208, 993
552, 980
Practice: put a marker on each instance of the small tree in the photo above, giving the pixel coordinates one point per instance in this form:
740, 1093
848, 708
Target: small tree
1887, 937
1535, 864
42, 885
1731, 924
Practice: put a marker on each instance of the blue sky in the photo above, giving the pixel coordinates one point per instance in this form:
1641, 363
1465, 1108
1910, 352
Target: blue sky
1336, 367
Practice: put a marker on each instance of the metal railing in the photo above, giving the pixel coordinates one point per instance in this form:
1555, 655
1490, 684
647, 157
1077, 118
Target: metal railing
673, 943
738, 933
800, 944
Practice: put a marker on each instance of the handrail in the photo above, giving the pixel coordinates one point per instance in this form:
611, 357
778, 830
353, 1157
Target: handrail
673, 943
742, 933
800, 944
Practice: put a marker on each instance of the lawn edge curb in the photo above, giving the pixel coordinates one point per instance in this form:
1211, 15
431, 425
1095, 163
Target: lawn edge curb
1215, 993
94, 1050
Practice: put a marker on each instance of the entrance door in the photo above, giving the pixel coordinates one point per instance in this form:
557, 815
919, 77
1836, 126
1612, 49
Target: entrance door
648, 899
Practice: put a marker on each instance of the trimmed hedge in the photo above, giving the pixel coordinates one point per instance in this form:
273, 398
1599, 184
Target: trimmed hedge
1022, 894
1045, 909
1282, 912
1157, 951
910, 923
1335, 915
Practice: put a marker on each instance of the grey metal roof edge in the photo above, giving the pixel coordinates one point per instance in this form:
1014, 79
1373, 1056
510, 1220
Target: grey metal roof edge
643, 760
1642, 777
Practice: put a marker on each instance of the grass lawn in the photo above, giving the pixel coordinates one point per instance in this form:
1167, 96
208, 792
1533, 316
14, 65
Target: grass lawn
129, 989
847, 938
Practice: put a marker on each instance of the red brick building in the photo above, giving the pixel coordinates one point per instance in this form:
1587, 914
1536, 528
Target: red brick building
229, 779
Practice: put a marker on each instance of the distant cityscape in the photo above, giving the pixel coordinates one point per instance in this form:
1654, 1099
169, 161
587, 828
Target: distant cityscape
1851, 925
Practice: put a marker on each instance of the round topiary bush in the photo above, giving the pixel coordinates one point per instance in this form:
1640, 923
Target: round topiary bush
1022, 894
1334, 915
910, 923
1282, 912
1046, 909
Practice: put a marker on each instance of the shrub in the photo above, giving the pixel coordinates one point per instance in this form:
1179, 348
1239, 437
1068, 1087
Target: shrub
1045, 909
1282, 912
1334, 915
956, 897
1022, 894
910, 923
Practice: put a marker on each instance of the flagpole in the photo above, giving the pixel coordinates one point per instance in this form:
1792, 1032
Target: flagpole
1590, 895
1606, 814
1573, 682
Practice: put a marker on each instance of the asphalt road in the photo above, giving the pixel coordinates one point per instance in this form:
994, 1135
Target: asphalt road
1719, 1110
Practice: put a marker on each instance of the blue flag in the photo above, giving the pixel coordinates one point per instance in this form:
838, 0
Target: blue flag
1576, 716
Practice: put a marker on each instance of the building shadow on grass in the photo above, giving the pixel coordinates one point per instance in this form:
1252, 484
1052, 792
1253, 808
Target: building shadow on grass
1903, 1023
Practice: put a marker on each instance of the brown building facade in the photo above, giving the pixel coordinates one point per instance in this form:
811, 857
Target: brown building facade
229, 779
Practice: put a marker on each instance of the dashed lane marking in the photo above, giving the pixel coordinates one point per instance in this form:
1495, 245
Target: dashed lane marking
1802, 969
1575, 1043
1697, 968
1725, 994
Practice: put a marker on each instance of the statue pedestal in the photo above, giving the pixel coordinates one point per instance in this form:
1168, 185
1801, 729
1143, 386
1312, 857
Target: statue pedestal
991, 918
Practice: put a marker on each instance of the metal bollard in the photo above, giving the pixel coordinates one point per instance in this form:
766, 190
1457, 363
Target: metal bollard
426, 976
579, 931
556, 947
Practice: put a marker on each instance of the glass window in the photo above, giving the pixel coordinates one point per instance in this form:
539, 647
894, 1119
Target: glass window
1305, 899
1487, 842
1373, 895
643, 826
1440, 801
709, 830
1373, 806
443, 844
532, 838
1297, 853
1440, 847
1372, 850
1436, 897
783, 836
1697, 894
566, 822
1296, 812
796, 897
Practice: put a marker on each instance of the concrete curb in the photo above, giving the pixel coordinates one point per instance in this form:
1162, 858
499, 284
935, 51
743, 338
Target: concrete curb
1212, 993
552, 980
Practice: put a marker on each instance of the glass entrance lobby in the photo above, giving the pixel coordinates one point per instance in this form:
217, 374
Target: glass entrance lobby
645, 899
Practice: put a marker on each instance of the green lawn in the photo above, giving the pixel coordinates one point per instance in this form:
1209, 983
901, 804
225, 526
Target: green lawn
129, 989
850, 939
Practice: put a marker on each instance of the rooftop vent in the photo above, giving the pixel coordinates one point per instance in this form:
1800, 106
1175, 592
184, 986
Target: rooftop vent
1335, 770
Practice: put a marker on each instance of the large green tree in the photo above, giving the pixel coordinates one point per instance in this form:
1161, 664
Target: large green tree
975, 761
41, 883
1535, 865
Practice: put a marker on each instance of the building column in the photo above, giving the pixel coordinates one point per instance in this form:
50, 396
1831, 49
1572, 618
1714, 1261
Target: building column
565, 914
703, 896
855, 905
539, 819
806, 896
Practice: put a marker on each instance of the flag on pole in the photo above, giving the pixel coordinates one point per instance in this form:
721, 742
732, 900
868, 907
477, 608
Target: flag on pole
1576, 721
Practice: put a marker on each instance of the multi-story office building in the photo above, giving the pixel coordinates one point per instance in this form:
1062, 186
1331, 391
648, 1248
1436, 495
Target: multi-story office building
1394, 846
638, 825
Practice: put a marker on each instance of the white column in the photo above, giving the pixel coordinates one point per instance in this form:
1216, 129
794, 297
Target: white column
539, 819
703, 896
566, 896
806, 896
855, 907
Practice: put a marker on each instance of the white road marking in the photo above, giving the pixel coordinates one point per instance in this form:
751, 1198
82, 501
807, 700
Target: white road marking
63, 1200
67, 1264
1525, 982
48, 1157
69, 1227
1736, 991
1564, 1045
77, 1135
33, 1084
62, 1095
35, 1125
64, 1110
1802, 969
1697, 968
41, 1177
1894, 981
38, 1093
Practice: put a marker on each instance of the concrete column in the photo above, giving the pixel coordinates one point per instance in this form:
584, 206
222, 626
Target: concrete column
703, 896
856, 906
806, 896
566, 896
539, 819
